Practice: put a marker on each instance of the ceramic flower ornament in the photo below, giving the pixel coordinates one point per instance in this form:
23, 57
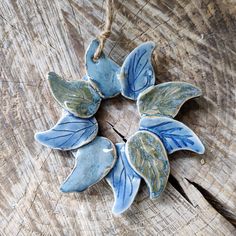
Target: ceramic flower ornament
145, 154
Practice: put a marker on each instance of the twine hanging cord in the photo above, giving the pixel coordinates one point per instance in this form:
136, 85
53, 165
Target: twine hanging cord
105, 34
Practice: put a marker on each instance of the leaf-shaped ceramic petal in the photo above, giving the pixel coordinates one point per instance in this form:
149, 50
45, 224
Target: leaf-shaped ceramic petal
166, 98
70, 132
147, 156
77, 97
92, 162
137, 73
174, 134
103, 72
124, 181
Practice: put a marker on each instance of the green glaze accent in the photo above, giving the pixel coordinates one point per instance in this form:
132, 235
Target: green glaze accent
166, 98
147, 156
77, 97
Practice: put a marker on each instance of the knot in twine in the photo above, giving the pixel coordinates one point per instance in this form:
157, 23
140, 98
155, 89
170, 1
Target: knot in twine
105, 34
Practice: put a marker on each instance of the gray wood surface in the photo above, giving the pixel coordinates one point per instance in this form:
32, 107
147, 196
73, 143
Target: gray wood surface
195, 43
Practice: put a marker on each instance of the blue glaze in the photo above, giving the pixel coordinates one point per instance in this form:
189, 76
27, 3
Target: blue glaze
103, 72
137, 73
70, 132
93, 162
124, 181
174, 134
85, 78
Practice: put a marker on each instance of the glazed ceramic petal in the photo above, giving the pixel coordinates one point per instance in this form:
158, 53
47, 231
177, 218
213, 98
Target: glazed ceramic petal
147, 156
174, 134
93, 162
103, 72
124, 182
70, 132
137, 73
166, 98
77, 97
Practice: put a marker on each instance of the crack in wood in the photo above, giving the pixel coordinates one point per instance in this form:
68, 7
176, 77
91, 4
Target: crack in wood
215, 203
175, 183
117, 132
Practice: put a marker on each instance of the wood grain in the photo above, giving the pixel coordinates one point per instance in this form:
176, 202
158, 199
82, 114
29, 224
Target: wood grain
195, 43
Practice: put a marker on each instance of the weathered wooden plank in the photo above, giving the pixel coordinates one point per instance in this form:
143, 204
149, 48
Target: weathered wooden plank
195, 43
